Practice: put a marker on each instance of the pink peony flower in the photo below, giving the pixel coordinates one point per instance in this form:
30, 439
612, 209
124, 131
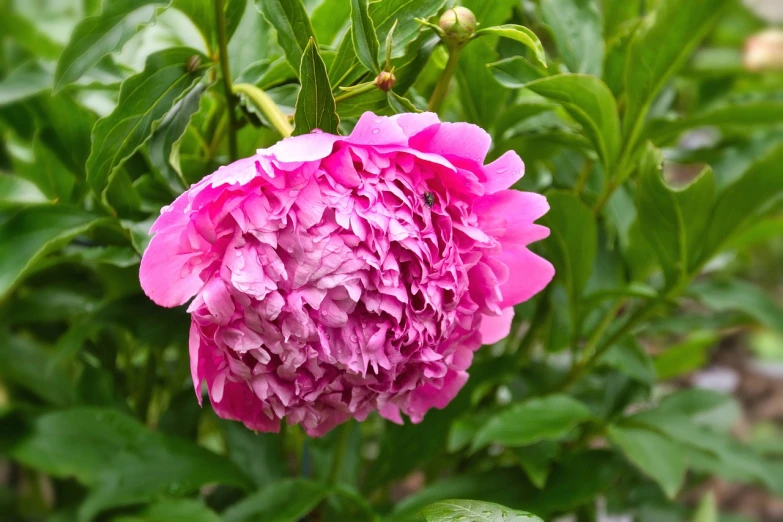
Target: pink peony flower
337, 275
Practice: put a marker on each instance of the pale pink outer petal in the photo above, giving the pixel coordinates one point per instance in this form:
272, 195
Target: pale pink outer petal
163, 274
496, 327
454, 140
529, 274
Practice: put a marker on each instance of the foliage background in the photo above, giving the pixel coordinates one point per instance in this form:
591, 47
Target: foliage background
659, 151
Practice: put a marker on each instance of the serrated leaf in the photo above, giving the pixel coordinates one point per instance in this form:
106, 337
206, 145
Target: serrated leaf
315, 106
97, 36
547, 418
294, 30
365, 41
475, 511
145, 99
660, 46
656, 455
34, 232
576, 27
590, 102
519, 33
168, 132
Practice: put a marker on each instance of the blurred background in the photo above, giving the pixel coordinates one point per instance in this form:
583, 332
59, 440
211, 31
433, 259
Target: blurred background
677, 416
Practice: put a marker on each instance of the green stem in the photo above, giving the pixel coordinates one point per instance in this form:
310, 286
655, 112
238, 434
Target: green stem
582, 179
442, 87
220, 17
354, 91
339, 454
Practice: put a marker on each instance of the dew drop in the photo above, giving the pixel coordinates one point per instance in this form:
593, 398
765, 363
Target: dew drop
323, 312
376, 131
354, 338
290, 250
501, 170
238, 253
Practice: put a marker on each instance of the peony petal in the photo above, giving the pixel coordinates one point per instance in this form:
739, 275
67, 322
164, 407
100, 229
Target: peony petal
459, 140
528, 275
381, 130
503, 172
166, 275
496, 327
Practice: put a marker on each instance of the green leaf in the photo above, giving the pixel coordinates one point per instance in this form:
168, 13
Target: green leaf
547, 418
673, 222
631, 359
481, 97
657, 456
577, 30
66, 128
490, 13
400, 104
328, 19
97, 36
260, 455
707, 510
536, 460
515, 72
294, 30
365, 41
739, 296
661, 45
284, 501
168, 132
172, 510
145, 99
404, 13
34, 232
25, 81
590, 102
16, 191
519, 33
202, 14
747, 112
686, 356
315, 107
27, 364
475, 511
573, 241
28, 35
742, 202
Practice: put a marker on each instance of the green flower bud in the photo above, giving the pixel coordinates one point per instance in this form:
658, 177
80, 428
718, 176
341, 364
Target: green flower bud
459, 24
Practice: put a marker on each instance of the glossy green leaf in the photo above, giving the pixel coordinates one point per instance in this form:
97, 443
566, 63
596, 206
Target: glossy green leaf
547, 418
315, 107
145, 99
202, 14
590, 102
739, 296
66, 128
515, 72
172, 510
490, 13
577, 29
328, 19
537, 460
480, 95
659, 48
294, 31
365, 41
475, 511
168, 132
284, 501
519, 33
657, 456
573, 240
404, 13
34, 232
27, 34
630, 358
684, 357
99, 35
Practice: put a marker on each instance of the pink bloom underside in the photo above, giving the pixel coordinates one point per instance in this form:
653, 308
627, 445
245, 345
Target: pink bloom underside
328, 286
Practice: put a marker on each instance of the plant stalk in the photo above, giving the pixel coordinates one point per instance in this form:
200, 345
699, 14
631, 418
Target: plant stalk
442, 87
339, 454
220, 18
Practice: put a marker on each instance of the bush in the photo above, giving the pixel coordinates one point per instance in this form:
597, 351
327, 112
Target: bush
659, 153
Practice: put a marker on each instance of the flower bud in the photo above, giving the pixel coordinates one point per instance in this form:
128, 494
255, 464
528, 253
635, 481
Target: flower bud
459, 24
385, 80
764, 51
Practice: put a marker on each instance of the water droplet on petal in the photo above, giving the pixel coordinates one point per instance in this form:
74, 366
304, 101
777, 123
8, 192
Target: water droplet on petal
290, 250
323, 312
501, 170
238, 253
354, 338
376, 131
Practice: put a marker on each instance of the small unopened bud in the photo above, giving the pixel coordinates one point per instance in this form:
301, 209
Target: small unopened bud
194, 62
385, 81
459, 24
764, 51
